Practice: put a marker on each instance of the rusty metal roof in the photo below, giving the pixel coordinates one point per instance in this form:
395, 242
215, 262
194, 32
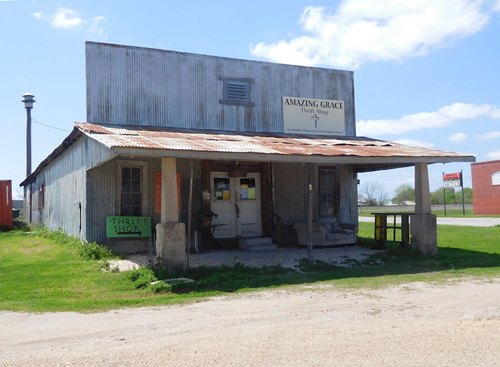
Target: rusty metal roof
199, 144
365, 153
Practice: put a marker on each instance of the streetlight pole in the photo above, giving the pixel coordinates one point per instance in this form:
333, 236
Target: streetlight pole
28, 100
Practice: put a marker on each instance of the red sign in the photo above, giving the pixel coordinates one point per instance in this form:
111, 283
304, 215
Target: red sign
452, 179
452, 176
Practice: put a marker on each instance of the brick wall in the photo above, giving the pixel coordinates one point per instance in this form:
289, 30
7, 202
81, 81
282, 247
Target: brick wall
486, 195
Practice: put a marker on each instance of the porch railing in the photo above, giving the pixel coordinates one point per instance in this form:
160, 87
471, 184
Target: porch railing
276, 225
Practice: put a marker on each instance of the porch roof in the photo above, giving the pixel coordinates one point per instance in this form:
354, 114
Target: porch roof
366, 153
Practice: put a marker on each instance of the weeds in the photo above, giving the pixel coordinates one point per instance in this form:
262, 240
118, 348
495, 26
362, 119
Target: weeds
145, 278
86, 250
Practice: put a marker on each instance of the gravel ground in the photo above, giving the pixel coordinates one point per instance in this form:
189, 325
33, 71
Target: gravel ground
286, 257
455, 324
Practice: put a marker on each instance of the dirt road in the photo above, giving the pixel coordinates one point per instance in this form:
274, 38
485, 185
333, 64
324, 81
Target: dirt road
457, 324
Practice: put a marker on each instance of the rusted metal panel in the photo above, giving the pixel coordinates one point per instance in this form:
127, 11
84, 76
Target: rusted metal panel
139, 86
6, 204
270, 144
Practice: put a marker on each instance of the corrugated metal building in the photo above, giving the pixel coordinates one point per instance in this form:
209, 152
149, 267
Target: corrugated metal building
252, 137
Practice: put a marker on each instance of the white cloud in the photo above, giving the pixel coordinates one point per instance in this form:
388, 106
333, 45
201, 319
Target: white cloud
457, 137
94, 25
68, 19
359, 31
494, 155
415, 143
489, 135
443, 117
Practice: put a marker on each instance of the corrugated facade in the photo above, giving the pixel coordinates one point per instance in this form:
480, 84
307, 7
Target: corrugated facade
146, 107
138, 86
58, 193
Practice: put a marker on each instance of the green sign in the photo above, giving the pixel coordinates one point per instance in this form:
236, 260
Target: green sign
128, 227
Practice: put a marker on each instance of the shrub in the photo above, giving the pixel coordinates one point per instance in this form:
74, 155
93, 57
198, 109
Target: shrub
142, 278
94, 251
160, 287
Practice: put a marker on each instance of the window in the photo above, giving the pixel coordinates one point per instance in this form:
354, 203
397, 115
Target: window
131, 195
222, 188
495, 178
326, 192
41, 197
247, 189
236, 91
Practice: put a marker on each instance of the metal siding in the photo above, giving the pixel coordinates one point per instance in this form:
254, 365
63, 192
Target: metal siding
348, 201
101, 200
6, 204
65, 182
290, 181
138, 86
184, 168
102, 197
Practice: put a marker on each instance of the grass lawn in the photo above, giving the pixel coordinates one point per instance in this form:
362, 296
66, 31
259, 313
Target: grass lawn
41, 272
450, 212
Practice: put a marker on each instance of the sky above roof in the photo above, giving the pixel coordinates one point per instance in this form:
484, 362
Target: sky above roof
425, 71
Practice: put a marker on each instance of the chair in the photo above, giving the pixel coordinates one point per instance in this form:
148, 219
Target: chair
327, 233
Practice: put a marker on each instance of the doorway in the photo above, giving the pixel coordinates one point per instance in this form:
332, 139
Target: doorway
236, 201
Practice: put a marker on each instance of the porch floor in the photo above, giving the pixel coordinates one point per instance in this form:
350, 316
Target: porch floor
286, 257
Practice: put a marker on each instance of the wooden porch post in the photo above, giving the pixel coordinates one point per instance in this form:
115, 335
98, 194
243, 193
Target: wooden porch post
169, 204
170, 234
310, 214
423, 222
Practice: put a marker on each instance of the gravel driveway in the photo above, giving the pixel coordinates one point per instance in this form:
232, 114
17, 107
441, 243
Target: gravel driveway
456, 324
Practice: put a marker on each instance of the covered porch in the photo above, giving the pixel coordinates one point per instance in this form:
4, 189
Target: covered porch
298, 179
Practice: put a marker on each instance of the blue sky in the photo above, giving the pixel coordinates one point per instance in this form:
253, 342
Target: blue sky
426, 71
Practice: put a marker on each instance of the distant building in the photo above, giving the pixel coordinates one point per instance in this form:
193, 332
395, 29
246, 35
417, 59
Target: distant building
171, 134
486, 187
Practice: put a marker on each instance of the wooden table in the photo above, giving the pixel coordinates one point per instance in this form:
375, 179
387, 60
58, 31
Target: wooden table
388, 220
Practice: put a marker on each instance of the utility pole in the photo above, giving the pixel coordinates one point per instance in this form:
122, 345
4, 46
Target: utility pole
28, 100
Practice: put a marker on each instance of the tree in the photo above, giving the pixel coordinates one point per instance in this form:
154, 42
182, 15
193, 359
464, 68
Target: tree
467, 196
404, 193
373, 194
437, 196
453, 196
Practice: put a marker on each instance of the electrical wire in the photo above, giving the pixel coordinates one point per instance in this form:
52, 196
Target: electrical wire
47, 125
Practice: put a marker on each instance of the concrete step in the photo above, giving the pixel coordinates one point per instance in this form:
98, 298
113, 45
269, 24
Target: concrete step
257, 244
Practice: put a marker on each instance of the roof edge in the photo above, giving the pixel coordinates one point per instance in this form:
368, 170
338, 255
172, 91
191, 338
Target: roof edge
68, 141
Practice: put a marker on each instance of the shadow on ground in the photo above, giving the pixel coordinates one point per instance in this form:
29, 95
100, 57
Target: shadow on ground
393, 261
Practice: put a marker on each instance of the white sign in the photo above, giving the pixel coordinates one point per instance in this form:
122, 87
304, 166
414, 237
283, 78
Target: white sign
313, 116
452, 183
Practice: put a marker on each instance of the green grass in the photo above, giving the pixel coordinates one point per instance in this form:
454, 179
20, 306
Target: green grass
44, 271
450, 212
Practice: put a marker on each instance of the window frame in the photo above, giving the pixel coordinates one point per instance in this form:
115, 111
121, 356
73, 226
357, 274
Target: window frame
495, 178
331, 191
41, 197
143, 166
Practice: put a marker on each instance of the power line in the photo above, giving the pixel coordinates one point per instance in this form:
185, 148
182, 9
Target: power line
52, 127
